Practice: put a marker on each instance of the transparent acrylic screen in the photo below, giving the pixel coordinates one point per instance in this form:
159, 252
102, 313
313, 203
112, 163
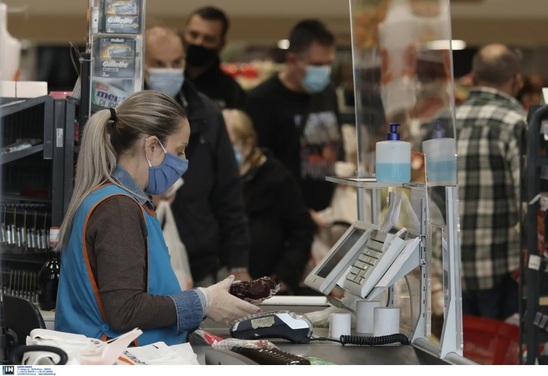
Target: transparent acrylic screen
402, 65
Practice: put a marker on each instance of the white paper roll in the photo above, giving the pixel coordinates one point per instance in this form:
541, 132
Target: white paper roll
386, 321
365, 316
339, 325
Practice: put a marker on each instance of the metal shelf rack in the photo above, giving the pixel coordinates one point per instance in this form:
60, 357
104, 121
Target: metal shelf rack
534, 330
36, 183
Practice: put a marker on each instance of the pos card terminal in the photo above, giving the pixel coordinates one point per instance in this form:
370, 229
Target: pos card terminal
277, 324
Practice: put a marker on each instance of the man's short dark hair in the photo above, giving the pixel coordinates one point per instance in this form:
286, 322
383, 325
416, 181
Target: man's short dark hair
307, 32
212, 14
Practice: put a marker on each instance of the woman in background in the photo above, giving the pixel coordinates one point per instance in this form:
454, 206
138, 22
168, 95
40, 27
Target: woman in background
280, 225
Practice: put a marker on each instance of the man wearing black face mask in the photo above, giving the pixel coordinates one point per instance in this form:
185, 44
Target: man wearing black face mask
205, 37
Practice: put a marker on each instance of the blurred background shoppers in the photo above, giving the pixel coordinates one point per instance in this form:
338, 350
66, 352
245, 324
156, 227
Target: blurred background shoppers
531, 91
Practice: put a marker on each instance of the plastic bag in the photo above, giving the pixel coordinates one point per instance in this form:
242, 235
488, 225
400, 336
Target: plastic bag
177, 250
79, 348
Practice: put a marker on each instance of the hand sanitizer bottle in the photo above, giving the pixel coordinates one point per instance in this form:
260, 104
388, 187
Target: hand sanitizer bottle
441, 158
393, 158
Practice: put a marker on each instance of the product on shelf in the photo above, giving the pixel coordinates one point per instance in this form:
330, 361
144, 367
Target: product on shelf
121, 16
116, 31
115, 57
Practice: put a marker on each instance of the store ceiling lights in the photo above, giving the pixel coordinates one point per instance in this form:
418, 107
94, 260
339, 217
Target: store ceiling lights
283, 44
456, 44
442, 44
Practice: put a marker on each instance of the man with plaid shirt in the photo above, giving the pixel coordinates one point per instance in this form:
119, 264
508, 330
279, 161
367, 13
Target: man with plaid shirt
490, 128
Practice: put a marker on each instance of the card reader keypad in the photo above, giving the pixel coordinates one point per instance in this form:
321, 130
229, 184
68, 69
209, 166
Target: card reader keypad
368, 258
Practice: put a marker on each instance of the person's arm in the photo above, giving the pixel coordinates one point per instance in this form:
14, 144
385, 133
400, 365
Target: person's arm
116, 243
228, 206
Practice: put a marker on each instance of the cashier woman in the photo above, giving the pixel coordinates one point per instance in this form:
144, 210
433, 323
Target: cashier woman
116, 273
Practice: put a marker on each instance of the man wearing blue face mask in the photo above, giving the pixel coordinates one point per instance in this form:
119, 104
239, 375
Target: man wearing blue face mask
209, 207
295, 113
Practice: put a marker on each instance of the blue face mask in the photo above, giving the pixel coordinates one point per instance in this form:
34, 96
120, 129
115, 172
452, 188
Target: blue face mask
316, 78
164, 176
166, 80
238, 154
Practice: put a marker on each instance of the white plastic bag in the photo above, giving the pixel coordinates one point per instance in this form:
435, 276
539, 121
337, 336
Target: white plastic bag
177, 250
82, 350
79, 348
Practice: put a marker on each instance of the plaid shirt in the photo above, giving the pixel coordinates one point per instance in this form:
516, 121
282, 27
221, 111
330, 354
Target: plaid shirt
490, 129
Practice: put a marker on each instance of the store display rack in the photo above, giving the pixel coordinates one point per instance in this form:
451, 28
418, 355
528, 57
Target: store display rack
37, 155
115, 51
534, 319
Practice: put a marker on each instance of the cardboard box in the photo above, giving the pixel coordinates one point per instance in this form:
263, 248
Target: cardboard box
31, 89
7, 89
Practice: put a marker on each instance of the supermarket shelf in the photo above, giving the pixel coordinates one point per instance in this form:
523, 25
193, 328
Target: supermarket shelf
10, 107
15, 155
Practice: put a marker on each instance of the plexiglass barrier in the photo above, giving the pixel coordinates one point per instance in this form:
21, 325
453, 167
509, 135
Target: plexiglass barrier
402, 61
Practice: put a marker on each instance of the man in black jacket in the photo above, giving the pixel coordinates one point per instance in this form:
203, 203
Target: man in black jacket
205, 37
208, 208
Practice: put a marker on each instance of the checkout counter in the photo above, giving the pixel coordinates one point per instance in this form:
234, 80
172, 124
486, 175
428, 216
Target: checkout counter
348, 251
419, 353
369, 262
327, 351
400, 257
385, 262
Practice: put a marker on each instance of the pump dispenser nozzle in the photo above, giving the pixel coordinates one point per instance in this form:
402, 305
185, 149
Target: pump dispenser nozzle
393, 134
439, 132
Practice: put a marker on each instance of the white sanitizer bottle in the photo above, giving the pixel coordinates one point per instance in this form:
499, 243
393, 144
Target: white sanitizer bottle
393, 158
441, 158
